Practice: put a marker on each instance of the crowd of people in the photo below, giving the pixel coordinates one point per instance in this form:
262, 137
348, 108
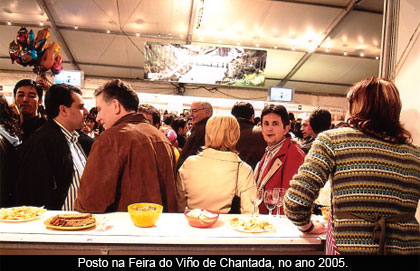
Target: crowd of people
123, 152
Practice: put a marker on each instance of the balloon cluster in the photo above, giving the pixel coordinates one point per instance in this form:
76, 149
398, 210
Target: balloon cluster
27, 50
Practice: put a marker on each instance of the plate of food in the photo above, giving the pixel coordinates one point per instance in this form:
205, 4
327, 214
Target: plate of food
21, 214
71, 222
251, 225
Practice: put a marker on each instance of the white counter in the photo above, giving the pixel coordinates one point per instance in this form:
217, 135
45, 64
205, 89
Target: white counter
171, 229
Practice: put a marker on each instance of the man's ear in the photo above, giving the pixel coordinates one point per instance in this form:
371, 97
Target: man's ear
116, 106
62, 110
287, 129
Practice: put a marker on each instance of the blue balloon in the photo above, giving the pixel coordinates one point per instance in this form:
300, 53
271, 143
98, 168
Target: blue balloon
34, 54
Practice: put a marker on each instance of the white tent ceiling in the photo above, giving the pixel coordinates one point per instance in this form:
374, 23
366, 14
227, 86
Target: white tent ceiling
306, 41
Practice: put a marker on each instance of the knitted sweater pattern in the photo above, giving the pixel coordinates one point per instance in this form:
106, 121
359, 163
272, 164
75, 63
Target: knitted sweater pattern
369, 177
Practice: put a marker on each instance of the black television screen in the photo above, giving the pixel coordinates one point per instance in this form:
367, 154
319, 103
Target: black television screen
280, 94
204, 64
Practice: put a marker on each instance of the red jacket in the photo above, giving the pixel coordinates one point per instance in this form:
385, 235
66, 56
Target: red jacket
280, 170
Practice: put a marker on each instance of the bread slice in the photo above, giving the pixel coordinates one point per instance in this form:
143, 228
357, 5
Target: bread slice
72, 220
74, 216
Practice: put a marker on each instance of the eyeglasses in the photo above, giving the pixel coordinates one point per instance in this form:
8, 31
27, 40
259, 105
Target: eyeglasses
196, 110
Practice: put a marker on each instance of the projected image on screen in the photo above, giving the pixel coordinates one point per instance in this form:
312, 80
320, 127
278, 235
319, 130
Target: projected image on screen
204, 64
73, 78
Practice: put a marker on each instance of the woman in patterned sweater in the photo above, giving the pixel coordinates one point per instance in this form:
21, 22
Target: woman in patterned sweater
375, 177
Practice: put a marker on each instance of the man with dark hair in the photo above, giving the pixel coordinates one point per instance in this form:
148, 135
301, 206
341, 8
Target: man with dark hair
308, 135
52, 161
150, 113
243, 110
28, 98
251, 144
320, 120
282, 158
130, 161
180, 127
317, 122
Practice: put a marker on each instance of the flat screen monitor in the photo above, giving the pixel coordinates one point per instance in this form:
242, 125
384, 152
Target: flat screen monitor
280, 94
74, 78
234, 66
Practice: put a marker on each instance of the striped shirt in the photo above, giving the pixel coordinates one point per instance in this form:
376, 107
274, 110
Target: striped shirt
79, 162
370, 177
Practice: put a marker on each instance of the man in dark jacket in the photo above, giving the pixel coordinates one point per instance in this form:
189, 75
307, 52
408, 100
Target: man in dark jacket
200, 113
51, 159
28, 99
251, 144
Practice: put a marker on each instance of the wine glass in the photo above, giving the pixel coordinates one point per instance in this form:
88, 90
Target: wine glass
269, 201
279, 195
256, 199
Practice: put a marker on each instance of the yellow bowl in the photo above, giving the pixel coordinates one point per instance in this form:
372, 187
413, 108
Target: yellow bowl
145, 215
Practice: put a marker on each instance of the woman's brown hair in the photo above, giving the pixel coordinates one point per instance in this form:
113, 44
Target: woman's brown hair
9, 119
375, 107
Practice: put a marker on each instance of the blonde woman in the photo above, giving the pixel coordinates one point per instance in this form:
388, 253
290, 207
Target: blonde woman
210, 179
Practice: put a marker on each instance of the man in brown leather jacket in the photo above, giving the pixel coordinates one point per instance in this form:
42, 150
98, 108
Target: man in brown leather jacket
131, 161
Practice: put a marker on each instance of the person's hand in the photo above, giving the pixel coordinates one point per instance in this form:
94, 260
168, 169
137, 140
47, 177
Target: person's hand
318, 228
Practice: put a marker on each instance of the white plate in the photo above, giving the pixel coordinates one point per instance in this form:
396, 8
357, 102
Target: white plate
242, 227
18, 219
